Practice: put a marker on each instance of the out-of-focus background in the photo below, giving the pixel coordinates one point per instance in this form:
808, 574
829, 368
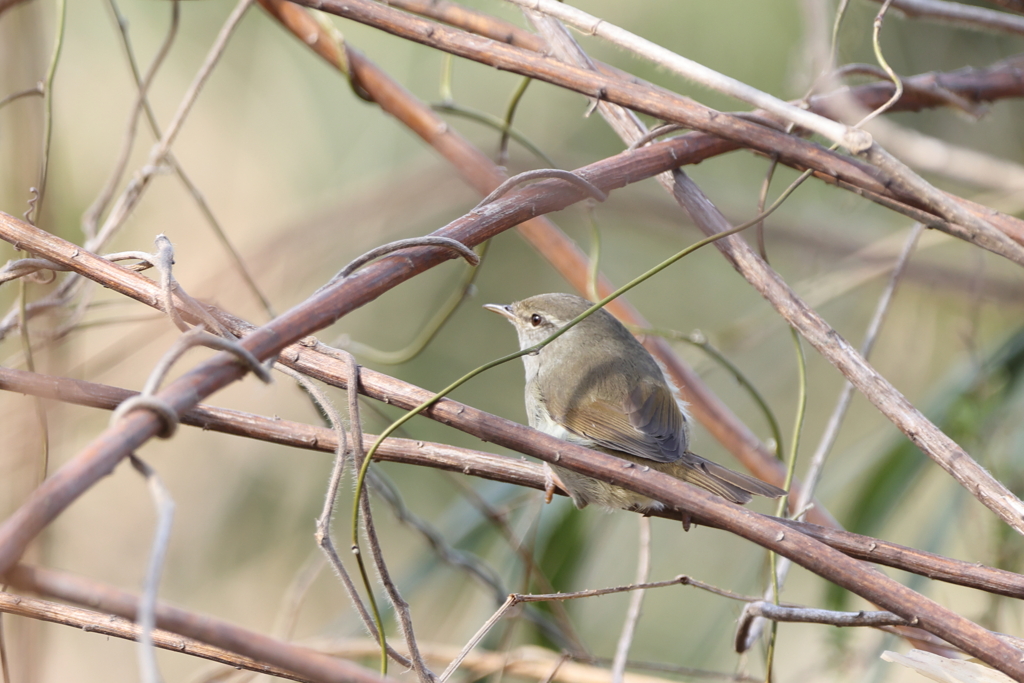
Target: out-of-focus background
304, 176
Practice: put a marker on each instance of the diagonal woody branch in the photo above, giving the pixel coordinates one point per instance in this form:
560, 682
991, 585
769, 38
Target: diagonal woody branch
309, 664
516, 471
791, 150
890, 402
322, 309
484, 175
125, 627
830, 344
117, 441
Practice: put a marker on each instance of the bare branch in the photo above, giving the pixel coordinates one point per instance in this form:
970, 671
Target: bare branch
307, 663
961, 15
483, 175
636, 600
164, 504
889, 173
121, 627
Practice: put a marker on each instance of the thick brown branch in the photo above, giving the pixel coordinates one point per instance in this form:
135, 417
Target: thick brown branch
124, 627
484, 175
284, 432
322, 309
1004, 79
791, 150
255, 647
486, 465
100, 456
473, 21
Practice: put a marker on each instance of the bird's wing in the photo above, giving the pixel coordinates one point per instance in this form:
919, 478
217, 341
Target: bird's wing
648, 424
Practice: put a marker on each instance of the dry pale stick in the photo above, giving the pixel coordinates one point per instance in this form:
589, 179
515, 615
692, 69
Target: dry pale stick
851, 138
148, 670
636, 601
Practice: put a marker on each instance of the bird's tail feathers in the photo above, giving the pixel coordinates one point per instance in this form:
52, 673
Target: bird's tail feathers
733, 486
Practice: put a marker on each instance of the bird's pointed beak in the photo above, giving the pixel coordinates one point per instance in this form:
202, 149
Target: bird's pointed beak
501, 309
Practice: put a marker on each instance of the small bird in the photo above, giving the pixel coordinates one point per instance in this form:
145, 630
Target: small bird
597, 386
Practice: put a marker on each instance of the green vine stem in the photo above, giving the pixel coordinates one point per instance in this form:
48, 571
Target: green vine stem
428, 332
364, 467
780, 511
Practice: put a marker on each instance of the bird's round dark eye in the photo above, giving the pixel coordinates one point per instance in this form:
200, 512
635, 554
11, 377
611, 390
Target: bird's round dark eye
536, 320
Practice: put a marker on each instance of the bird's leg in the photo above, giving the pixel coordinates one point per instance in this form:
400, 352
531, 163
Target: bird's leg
686, 520
551, 481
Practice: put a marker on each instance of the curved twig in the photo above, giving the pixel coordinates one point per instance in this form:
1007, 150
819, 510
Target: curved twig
541, 173
391, 247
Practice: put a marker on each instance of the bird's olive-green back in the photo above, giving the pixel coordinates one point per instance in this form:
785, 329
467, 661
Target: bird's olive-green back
599, 382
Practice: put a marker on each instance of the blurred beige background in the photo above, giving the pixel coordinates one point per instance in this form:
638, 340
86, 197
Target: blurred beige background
304, 176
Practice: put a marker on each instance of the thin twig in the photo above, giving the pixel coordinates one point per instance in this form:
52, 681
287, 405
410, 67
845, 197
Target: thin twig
655, 133
880, 57
205, 636
775, 612
383, 250
492, 121
323, 522
133, 193
510, 113
783, 505
91, 217
37, 89
636, 601
575, 179
961, 15
509, 604
828, 438
58, 44
164, 504
360, 459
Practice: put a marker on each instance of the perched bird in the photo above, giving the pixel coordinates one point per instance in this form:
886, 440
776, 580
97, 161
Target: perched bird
597, 386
